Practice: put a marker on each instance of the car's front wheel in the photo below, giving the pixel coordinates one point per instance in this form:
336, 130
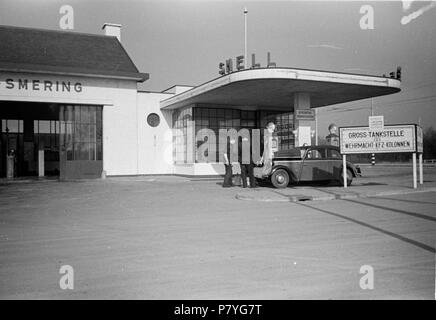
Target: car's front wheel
349, 177
280, 178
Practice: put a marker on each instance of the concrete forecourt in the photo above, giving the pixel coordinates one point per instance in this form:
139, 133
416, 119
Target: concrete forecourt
169, 237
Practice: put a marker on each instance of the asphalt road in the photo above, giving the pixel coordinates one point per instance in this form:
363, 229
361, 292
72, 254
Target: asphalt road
170, 238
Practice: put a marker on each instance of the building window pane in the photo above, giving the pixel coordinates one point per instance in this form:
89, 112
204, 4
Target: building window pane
82, 135
12, 125
77, 113
44, 126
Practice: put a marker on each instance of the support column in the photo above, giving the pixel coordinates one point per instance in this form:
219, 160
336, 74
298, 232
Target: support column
344, 170
414, 170
421, 171
302, 128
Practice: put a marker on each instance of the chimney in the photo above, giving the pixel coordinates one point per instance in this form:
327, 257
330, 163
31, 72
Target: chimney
112, 29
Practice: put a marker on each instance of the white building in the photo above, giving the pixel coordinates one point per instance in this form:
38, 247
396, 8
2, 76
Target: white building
69, 106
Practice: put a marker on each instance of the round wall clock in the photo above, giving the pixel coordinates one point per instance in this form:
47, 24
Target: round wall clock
153, 120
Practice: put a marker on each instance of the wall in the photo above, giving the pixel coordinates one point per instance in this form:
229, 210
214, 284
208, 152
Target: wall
119, 98
155, 147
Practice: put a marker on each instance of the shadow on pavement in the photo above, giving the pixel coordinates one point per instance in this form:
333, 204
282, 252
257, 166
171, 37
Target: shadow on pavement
417, 215
372, 184
402, 200
394, 235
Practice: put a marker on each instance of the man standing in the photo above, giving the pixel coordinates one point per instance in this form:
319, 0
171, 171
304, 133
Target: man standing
246, 163
333, 138
269, 148
228, 165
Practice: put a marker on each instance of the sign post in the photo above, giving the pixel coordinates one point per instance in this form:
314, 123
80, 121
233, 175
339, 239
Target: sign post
344, 169
421, 174
414, 170
380, 138
420, 150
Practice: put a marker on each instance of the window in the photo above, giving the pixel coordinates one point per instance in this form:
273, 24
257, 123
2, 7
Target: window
182, 131
284, 127
314, 154
333, 154
221, 118
46, 135
204, 116
81, 132
12, 126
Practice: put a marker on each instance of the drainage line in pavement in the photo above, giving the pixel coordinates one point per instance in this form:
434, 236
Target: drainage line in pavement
337, 196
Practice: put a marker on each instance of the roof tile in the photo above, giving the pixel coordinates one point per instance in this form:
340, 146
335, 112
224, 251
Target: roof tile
65, 51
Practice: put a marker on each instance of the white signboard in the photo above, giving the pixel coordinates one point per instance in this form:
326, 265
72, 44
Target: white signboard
376, 123
304, 114
393, 138
304, 137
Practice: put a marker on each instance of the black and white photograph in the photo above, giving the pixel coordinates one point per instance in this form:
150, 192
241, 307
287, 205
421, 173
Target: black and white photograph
236, 152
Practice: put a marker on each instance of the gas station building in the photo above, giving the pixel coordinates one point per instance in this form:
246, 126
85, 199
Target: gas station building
70, 107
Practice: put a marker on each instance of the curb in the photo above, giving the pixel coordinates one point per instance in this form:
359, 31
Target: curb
7, 182
343, 196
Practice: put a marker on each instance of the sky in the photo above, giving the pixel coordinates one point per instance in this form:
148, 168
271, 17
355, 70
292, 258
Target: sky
182, 42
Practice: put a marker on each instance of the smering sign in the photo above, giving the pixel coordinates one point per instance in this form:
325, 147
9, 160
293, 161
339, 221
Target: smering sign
394, 138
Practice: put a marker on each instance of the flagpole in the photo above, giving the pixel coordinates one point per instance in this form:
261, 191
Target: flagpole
245, 42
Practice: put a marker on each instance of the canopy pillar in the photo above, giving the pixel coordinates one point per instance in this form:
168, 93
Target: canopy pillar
302, 128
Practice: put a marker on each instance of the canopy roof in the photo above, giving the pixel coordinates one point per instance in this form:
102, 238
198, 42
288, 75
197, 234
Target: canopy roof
275, 88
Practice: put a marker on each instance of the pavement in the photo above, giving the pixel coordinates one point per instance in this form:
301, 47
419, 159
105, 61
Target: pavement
169, 237
380, 180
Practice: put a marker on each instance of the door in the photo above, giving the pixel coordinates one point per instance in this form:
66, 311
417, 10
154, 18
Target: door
315, 166
81, 151
335, 160
11, 141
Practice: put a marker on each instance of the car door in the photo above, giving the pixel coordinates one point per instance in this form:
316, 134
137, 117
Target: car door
315, 166
335, 162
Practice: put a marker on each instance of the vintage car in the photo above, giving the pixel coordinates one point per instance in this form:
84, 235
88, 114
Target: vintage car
309, 163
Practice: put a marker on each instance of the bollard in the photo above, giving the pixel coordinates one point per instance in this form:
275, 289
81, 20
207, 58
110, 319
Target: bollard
41, 169
373, 159
10, 166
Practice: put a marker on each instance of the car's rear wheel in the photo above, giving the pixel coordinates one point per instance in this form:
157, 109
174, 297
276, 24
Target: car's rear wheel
280, 178
349, 177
